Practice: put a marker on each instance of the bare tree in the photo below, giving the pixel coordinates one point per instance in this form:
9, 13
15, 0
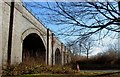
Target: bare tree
74, 47
86, 46
83, 46
80, 18
114, 49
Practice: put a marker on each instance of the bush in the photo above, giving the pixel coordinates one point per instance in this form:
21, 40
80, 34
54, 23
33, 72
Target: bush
62, 70
22, 68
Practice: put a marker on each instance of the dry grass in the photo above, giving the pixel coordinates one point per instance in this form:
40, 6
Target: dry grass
77, 74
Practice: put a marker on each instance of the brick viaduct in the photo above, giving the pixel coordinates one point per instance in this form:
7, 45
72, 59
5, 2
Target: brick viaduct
23, 37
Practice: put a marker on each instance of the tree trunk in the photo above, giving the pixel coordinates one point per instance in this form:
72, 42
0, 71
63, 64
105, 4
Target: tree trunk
87, 54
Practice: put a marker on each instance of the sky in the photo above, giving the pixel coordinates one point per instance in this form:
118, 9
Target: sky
101, 45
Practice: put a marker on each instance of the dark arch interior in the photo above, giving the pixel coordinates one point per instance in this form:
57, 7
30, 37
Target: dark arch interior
33, 49
58, 57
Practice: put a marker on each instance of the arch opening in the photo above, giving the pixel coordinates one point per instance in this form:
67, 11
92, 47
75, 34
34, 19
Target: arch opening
58, 57
33, 49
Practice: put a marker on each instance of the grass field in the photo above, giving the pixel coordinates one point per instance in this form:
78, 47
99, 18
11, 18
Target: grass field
80, 74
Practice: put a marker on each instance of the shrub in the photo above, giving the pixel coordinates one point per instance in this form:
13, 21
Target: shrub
22, 68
